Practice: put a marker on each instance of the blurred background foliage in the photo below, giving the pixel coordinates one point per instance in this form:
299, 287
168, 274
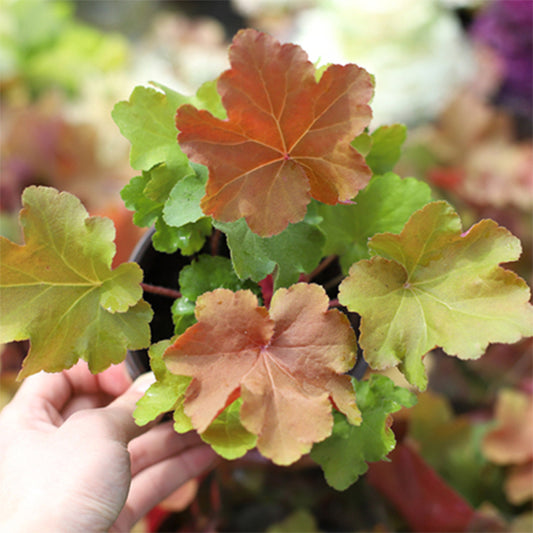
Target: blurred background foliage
457, 72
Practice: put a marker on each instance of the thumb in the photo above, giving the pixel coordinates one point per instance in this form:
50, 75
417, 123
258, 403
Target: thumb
120, 411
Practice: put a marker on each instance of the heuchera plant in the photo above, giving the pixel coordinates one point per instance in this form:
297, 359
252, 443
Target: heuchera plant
276, 157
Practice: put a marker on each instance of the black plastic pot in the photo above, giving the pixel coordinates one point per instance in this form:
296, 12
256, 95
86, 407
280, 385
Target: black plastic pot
162, 269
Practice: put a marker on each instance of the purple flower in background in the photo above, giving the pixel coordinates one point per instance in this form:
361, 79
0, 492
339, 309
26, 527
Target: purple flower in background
507, 27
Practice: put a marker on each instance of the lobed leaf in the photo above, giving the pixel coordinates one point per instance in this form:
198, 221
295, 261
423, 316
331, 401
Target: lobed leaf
205, 274
344, 455
225, 434
386, 148
169, 190
59, 291
384, 205
297, 250
285, 364
432, 286
163, 395
286, 139
189, 238
147, 121
182, 205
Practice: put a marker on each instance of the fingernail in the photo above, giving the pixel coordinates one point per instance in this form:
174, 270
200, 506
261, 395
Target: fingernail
142, 383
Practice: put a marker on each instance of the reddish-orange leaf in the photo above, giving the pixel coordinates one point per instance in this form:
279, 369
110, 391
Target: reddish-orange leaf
287, 136
287, 365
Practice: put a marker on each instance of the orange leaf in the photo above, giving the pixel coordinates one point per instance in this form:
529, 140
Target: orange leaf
519, 483
287, 136
510, 442
286, 365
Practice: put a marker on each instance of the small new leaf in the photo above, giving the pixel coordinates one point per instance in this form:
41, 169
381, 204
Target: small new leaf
344, 455
183, 203
286, 364
286, 139
59, 291
432, 286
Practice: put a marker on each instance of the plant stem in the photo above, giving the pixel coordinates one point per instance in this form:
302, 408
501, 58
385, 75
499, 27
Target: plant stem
215, 241
161, 291
334, 303
322, 266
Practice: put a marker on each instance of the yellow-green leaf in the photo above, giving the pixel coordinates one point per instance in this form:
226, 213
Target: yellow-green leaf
59, 291
432, 286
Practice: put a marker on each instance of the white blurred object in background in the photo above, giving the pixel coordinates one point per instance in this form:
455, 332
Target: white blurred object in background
416, 49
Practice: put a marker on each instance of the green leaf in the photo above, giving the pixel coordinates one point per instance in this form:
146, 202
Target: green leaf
185, 228
432, 286
147, 121
226, 434
182, 314
363, 143
189, 238
386, 148
205, 274
59, 291
452, 446
344, 455
182, 423
297, 522
296, 250
58, 52
163, 395
208, 273
207, 97
168, 193
183, 204
163, 179
147, 211
384, 205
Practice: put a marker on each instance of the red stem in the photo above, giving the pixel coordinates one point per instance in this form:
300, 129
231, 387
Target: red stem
322, 266
334, 303
161, 291
215, 241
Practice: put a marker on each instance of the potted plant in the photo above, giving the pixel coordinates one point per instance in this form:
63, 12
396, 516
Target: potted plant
286, 231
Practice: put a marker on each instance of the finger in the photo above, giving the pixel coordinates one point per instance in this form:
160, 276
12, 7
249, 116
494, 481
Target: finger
152, 485
37, 402
118, 415
45, 392
113, 381
90, 391
160, 443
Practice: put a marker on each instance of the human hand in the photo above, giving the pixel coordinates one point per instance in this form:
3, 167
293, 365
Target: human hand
73, 460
